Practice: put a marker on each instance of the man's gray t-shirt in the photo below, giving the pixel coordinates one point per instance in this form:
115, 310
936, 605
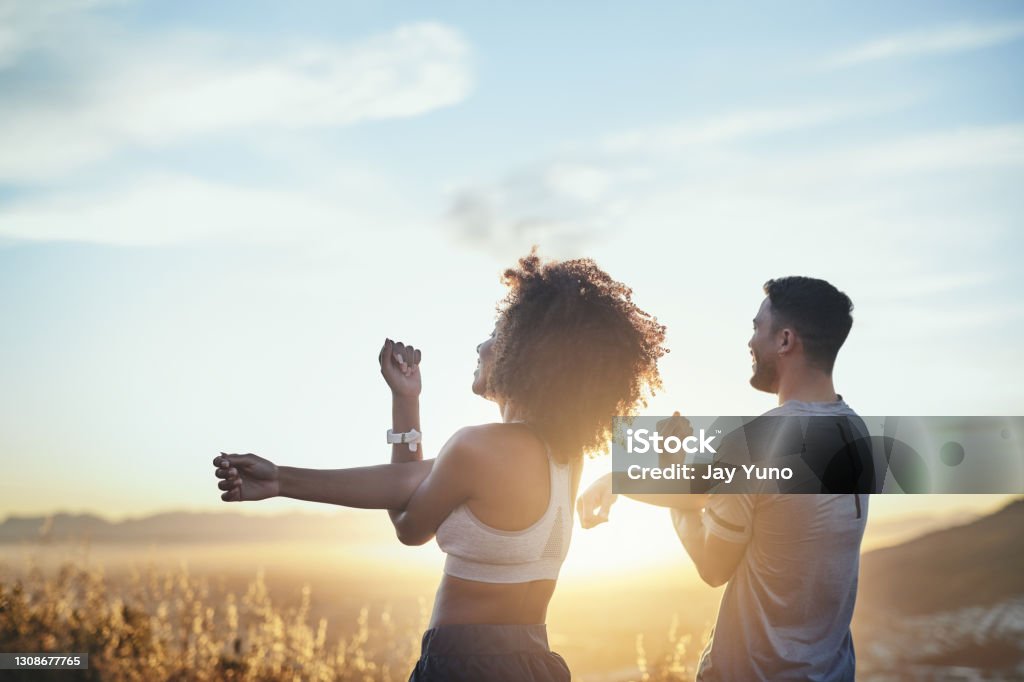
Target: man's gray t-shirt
786, 611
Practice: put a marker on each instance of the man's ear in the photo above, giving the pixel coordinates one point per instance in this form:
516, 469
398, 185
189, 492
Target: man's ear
787, 340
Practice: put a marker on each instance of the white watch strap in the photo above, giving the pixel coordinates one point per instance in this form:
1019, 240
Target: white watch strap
411, 438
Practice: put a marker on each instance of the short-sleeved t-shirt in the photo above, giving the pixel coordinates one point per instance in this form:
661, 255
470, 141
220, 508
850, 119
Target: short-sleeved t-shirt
786, 611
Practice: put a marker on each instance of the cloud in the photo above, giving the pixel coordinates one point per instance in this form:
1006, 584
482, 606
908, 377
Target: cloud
966, 148
410, 71
911, 285
937, 40
190, 86
25, 26
573, 203
577, 181
163, 209
563, 205
735, 126
720, 129
894, 187
885, 188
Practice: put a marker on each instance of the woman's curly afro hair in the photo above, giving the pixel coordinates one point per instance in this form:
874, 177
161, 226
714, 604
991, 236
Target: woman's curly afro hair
572, 351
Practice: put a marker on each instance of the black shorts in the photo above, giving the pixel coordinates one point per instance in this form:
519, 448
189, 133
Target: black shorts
491, 653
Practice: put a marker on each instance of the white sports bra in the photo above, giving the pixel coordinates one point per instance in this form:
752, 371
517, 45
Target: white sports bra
480, 552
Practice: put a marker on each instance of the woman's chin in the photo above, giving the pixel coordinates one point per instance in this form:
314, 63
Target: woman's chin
480, 389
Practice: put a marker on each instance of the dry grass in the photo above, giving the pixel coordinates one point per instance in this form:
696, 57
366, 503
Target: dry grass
677, 662
163, 624
159, 622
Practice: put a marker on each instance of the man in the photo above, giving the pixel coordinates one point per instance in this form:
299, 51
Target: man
790, 560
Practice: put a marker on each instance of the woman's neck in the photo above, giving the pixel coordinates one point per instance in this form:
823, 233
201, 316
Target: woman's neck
510, 413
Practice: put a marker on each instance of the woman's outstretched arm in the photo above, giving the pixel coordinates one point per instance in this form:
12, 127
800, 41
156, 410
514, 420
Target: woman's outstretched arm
384, 486
423, 492
417, 494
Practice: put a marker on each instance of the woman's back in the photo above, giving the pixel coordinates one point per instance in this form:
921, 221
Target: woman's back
506, 543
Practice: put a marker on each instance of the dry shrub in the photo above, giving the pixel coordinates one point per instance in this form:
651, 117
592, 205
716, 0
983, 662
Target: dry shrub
674, 665
163, 624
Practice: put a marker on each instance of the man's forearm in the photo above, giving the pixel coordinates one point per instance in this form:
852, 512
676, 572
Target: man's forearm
684, 501
384, 486
692, 534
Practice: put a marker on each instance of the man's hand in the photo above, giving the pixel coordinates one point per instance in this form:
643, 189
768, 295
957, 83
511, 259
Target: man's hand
246, 478
400, 367
676, 425
595, 502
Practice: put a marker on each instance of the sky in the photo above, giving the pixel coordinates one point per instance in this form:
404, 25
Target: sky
211, 214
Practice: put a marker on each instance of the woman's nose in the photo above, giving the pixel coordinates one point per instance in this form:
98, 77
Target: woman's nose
478, 347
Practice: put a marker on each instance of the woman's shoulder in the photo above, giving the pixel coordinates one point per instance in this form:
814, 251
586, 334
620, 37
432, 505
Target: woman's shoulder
489, 442
486, 437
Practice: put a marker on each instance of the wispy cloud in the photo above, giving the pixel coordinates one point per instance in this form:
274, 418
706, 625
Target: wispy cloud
877, 186
553, 204
25, 26
189, 86
162, 209
936, 40
958, 149
913, 285
733, 126
573, 203
720, 129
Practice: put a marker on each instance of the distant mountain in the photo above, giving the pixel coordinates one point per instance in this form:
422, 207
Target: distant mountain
199, 527
948, 605
888, 532
975, 564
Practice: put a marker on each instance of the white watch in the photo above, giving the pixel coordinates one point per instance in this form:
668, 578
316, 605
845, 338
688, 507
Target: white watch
409, 437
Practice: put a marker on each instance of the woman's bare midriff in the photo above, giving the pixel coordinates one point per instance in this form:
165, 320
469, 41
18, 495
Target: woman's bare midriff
469, 601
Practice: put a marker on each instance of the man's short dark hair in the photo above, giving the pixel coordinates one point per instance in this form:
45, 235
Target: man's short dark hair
820, 314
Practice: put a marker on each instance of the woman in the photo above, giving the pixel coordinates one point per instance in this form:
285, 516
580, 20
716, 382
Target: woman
569, 351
